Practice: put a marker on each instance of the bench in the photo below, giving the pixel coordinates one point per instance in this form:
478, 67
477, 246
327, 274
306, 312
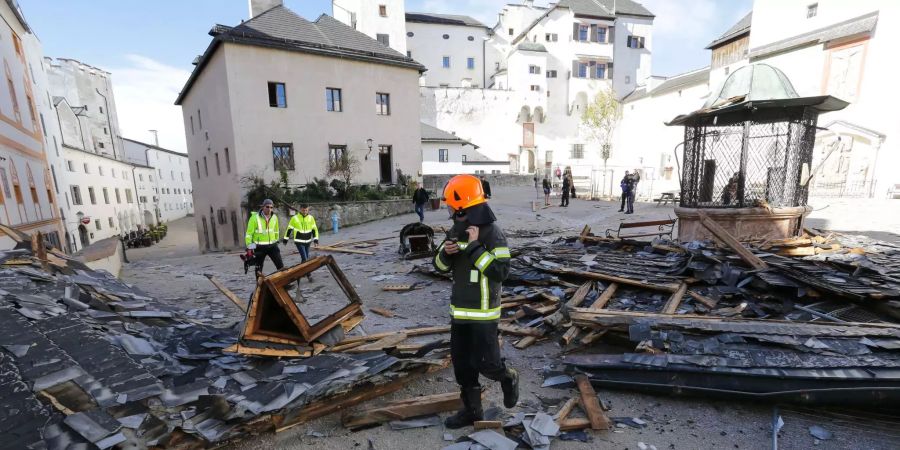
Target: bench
663, 227
667, 197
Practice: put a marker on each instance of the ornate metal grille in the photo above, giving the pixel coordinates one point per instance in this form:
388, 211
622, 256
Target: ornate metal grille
748, 163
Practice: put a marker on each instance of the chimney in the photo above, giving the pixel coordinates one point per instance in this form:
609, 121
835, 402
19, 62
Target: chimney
258, 7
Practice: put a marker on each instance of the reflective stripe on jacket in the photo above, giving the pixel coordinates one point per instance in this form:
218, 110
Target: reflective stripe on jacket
478, 271
304, 229
261, 231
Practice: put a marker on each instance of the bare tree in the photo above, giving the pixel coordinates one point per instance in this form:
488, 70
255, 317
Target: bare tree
344, 167
600, 118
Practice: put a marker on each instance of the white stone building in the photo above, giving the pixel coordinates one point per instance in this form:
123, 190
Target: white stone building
278, 93
169, 195
542, 65
444, 153
28, 200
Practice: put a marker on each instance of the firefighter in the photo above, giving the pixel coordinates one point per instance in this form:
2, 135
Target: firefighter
476, 254
303, 230
262, 236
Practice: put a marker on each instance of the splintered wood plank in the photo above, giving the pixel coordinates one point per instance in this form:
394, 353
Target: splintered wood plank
592, 336
525, 342
410, 332
569, 335
566, 409
381, 344
520, 331
605, 297
344, 250
574, 424
585, 232
352, 322
591, 404
574, 302
381, 312
243, 350
672, 304
230, 295
706, 301
402, 409
397, 287
488, 425
729, 240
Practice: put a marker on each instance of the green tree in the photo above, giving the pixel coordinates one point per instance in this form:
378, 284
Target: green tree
600, 118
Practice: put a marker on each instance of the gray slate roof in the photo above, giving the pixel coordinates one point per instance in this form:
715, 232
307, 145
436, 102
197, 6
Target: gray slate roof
532, 47
864, 24
444, 19
283, 29
682, 81
433, 134
605, 8
739, 29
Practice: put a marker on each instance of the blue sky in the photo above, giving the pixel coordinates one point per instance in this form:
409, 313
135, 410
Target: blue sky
149, 45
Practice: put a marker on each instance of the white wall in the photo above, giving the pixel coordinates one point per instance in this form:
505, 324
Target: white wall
428, 46
369, 20
169, 179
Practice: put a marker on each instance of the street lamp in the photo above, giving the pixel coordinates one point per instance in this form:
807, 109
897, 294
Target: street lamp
370, 143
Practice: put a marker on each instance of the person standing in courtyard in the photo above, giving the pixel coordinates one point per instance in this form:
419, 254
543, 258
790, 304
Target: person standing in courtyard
547, 188
262, 236
303, 230
625, 185
486, 187
566, 185
420, 198
476, 254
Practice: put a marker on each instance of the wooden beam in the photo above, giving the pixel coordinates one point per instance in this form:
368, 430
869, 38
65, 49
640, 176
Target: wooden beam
488, 425
605, 297
525, 342
344, 250
729, 240
591, 404
614, 279
592, 336
381, 312
585, 232
574, 302
574, 424
231, 296
569, 336
672, 304
566, 409
243, 350
381, 344
402, 409
410, 333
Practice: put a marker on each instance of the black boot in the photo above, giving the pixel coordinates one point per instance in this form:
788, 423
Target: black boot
510, 386
471, 411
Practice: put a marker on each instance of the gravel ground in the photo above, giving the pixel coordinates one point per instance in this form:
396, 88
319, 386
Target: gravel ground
173, 270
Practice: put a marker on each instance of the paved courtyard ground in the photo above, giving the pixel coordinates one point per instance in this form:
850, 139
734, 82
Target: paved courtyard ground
174, 271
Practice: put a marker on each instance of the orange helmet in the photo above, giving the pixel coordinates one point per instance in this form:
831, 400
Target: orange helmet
463, 191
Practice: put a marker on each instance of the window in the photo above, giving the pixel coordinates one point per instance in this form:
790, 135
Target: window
635, 42
101, 110
408, 54
100, 145
97, 224
218, 167
601, 34
283, 156
446, 36
495, 172
812, 10
601, 71
583, 33
17, 43
382, 104
200, 120
92, 196
118, 196
105, 131
465, 158
197, 163
192, 124
551, 74
551, 37
510, 31
470, 63
110, 222
69, 166
227, 163
582, 70
532, 69
100, 170
470, 38
333, 100
548, 156
205, 167
577, 151
277, 95
112, 172
535, 88
627, 79
76, 195
106, 196
446, 62
335, 154
140, 177
385, 39
382, 10
443, 155
128, 196
410, 34
86, 169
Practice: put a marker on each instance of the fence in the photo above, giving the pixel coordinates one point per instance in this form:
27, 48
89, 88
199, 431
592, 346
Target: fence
855, 189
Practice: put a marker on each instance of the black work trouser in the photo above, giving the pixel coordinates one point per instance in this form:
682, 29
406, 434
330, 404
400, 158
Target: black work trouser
624, 196
474, 350
272, 251
565, 197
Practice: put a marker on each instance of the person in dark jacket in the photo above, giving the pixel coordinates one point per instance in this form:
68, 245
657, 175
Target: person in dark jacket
486, 187
476, 254
566, 187
420, 198
625, 185
547, 188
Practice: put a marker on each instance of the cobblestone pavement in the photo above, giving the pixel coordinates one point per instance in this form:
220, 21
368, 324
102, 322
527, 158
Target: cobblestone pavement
174, 271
